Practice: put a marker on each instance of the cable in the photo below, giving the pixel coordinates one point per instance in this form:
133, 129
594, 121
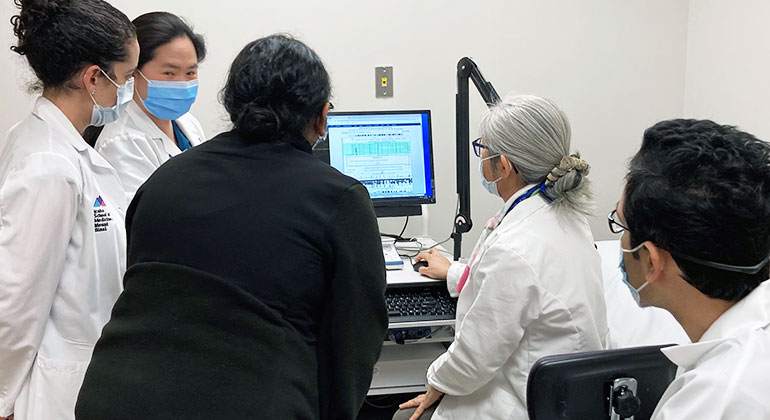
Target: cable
414, 251
420, 248
400, 238
439, 243
432, 334
401, 235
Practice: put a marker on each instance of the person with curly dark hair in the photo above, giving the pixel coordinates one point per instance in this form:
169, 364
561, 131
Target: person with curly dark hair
695, 218
255, 282
62, 236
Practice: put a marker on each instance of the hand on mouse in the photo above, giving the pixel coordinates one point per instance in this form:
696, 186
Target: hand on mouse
438, 264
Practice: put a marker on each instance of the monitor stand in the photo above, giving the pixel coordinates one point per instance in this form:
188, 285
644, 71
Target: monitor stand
398, 211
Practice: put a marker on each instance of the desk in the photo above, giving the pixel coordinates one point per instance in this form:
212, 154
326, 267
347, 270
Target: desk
402, 368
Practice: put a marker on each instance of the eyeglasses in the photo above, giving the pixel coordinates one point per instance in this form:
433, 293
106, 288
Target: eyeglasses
614, 223
477, 146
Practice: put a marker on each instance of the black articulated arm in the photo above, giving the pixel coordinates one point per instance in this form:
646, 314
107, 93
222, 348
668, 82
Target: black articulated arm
466, 69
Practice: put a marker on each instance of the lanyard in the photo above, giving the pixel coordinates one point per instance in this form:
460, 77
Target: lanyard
537, 189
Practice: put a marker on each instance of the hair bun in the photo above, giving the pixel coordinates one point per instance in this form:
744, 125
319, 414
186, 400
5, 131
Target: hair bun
258, 121
567, 165
33, 15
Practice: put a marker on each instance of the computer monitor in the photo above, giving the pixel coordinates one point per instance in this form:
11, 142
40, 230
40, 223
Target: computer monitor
390, 152
580, 385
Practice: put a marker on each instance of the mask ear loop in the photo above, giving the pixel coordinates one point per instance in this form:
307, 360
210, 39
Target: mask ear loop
148, 85
482, 172
92, 92
143, 76
109, 78
515, 170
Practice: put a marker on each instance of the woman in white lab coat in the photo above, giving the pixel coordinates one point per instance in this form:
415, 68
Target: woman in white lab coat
532, 286
62, 235
157, 125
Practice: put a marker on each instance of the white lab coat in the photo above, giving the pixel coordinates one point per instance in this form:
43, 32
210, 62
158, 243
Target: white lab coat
534, 289
62, 259
136, 147
725, 375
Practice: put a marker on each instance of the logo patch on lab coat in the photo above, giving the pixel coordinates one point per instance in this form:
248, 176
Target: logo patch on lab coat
102, 217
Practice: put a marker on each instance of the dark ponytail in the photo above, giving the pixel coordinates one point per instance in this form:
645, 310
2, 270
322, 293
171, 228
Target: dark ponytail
60, 37
275, 88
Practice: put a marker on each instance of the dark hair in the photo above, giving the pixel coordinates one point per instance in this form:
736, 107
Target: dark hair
700, 189
274, 89
156, 29
60, 37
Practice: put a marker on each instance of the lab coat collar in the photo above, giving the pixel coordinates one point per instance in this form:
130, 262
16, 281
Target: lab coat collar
50, 113
524, 209
748, 314
144, 124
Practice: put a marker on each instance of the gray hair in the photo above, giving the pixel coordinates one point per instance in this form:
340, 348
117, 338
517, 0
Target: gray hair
534, 135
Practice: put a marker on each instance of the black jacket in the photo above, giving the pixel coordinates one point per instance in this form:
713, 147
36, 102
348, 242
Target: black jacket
254, 290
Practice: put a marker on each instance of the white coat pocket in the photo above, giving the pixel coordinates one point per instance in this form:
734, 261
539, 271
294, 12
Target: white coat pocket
53, 390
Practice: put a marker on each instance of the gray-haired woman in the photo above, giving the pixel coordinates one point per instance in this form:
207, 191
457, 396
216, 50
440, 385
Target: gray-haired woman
533, 284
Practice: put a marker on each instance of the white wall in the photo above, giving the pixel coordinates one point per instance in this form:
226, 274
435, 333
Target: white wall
728, 64
615, 68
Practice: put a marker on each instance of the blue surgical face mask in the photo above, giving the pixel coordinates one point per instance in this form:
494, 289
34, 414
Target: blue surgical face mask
169, 100
490, 186
105, 115
634, 291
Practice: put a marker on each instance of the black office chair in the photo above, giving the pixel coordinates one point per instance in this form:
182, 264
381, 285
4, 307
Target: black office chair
612, 384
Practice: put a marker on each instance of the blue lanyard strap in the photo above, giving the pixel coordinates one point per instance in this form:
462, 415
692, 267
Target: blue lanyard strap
538, 189
181, 139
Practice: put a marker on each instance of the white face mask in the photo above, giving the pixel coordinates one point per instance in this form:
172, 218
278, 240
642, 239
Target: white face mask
105, 115
490, 186
634, 291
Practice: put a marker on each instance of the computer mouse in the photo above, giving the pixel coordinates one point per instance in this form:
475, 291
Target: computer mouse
419, 264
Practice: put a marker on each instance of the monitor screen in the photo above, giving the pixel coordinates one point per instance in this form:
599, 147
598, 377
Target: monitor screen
390, 152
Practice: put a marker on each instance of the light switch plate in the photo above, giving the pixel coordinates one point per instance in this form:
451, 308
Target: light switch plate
383, 82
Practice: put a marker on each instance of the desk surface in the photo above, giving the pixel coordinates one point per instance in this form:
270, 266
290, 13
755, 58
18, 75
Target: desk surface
407, 275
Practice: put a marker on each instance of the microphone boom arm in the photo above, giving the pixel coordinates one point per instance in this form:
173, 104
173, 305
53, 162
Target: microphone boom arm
466, 69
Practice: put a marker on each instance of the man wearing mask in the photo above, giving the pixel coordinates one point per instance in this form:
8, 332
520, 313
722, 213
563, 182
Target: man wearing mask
695, 218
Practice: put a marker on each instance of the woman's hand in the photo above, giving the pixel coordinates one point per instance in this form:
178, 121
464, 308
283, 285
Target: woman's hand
7, 418
422, 402
438, 264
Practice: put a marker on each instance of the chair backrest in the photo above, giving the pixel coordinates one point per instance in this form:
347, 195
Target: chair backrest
580, 386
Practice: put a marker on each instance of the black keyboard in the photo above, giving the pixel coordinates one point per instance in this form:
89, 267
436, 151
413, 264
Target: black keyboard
420, 303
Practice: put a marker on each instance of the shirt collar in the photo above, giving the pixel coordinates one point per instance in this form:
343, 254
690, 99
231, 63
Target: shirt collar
748, 314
